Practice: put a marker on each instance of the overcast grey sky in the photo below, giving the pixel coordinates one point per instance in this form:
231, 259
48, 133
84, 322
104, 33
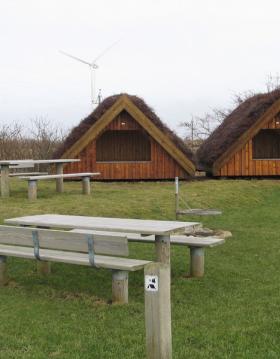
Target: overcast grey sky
182, 57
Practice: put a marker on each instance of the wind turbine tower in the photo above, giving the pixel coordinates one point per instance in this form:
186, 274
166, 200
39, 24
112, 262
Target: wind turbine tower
93, 67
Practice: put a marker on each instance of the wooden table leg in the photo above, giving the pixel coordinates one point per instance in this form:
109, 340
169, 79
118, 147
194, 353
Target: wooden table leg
43, 267
5, 188
59, 181
162, 244
32, 190
86, 185
197, 262
3, 271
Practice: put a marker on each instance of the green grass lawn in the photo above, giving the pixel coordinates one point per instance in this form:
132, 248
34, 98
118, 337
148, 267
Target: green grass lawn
233, 312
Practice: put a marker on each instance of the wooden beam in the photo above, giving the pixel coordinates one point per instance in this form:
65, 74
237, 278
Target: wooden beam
159, 136
158, 311
95, 129
246, 136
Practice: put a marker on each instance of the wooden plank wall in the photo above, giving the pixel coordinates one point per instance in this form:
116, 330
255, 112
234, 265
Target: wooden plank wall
243, 164
161, 166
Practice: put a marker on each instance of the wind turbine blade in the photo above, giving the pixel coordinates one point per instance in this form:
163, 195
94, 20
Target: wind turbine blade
76, 58
104, 52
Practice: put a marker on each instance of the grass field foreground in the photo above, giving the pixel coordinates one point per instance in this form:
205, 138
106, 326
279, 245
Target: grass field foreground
233, 312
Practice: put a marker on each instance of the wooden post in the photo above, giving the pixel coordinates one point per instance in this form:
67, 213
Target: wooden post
5, 188
158, 311
120, 287
43, 268
197, 262
176, 197
162, 244
86, 185
32, 190
3, 271
59, 181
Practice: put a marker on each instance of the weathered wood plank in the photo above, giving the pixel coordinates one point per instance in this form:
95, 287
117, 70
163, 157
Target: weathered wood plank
174, 239
106, 224
117, 263
68, 175
19, 174
64, 240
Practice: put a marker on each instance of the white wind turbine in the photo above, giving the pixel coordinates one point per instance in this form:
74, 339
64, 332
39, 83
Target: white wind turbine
93, 67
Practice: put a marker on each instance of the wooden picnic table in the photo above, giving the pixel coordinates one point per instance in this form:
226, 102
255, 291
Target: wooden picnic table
161, 229
7, 164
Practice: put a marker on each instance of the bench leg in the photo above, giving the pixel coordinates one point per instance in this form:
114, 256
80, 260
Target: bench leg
3, 271
32, 190
197, 262
120, 287
43, 268
59, 181
86, 185
5, 189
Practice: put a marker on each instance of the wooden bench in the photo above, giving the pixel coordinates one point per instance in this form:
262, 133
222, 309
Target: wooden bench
47, 245
196, 245
32, 182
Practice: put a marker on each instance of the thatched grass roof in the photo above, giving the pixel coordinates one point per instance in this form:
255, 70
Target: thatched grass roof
105, 105
233, 126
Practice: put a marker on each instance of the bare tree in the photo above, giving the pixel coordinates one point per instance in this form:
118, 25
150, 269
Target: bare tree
39, 141
272, 82
45, 137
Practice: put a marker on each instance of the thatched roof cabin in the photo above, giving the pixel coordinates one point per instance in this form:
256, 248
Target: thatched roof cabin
123, 138
246, 143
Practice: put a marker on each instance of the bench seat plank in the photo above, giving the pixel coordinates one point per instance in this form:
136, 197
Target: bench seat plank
67, 175
20, 174
174, 239
75, 258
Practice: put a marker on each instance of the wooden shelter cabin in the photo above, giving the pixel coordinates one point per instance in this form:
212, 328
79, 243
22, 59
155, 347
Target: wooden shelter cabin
247, 143
123, 139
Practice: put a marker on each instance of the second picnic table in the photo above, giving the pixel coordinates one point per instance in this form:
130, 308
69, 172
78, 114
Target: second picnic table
7, 164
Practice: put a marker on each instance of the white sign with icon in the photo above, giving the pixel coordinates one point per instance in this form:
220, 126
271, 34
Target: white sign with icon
151, 283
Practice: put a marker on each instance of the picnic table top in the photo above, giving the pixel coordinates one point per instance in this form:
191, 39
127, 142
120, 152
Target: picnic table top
105, 224
21, 162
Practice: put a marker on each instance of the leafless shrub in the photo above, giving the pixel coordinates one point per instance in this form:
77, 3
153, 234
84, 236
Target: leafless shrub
39, 141
45, 138
272, 82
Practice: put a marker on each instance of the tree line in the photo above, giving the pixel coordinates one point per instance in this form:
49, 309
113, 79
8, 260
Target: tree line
39, 140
